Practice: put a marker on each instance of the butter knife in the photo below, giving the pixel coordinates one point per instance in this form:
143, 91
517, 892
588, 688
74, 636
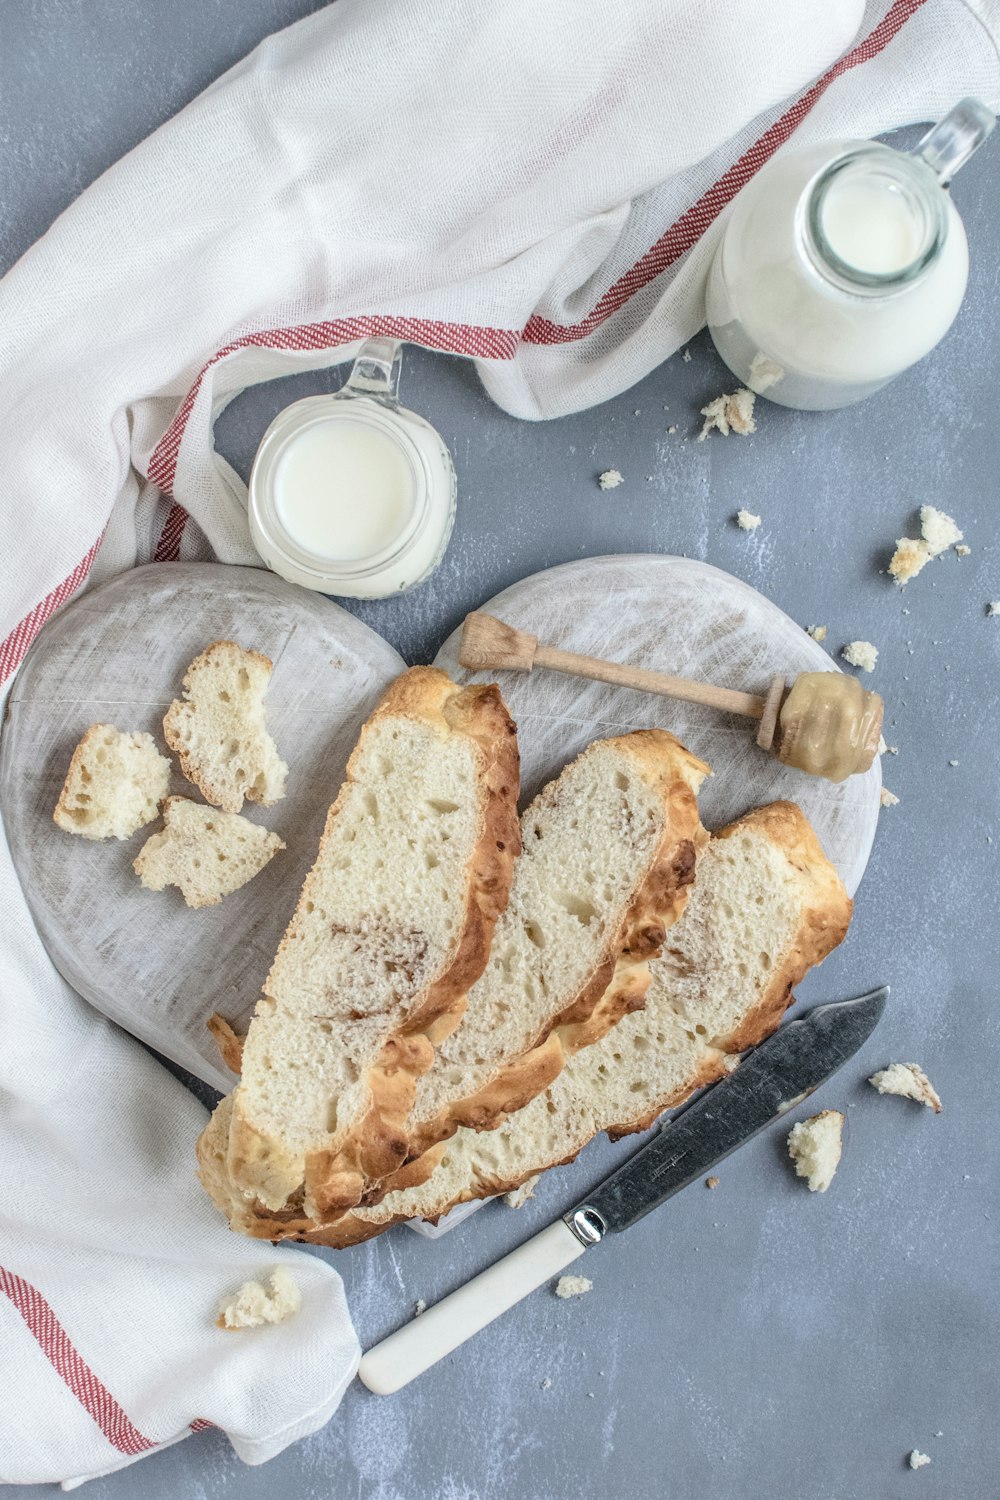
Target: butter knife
773, 1079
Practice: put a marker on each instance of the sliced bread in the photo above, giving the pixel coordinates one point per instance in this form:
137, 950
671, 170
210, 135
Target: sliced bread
203, 851
765, 908
114, 785
392, 928
217, 729
609, 851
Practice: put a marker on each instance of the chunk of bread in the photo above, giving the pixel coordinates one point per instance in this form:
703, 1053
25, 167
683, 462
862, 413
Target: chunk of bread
609, 850
814, 1146
217, 729
114, 785
255, 1304
909, 1081
766, 906
392, 928
203, 851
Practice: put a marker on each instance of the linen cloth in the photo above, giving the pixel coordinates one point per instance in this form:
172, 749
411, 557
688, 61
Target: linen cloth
538, 188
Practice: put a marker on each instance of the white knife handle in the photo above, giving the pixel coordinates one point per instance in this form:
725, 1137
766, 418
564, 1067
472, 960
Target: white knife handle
413, 1349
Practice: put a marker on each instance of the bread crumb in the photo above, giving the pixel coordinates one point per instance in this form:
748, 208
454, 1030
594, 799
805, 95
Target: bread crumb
908, 559
909, 1081
962, 550
814, 1146
419, 1307
519, 1197
746, 520
729, 413
546, 1384
918, 1460
671, 431
818, 632
953, 763
610, 479
764, 372
686, 356
887, 798
254, 1305
711, 1182
892, 749
572, 1286
938, 530
861, 654
993, 608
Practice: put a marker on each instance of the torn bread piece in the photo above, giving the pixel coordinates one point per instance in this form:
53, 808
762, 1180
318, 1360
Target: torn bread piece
861, 654
205, 852
392, 928
814, 1146
114, 785
218, 732
908, 559
909, 1081
766, 906
519, 1197
255, 1304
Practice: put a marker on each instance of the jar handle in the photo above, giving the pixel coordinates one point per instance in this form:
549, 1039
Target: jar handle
948, 145
375, 372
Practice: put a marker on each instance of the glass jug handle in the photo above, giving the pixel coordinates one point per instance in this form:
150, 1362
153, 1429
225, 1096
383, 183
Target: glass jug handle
375, 372
948, 145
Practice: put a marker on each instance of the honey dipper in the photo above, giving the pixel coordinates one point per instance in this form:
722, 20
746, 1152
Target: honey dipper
826, 723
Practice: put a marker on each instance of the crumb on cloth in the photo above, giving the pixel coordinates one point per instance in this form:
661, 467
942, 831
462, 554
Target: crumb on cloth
255, 1305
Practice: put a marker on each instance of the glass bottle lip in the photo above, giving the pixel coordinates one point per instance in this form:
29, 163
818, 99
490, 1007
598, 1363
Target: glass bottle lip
288, 425
912, 176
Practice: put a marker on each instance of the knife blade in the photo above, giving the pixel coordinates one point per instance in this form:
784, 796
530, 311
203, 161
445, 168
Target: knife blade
774, 1078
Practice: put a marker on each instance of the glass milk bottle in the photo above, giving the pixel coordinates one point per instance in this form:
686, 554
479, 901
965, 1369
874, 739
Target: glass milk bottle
843, 264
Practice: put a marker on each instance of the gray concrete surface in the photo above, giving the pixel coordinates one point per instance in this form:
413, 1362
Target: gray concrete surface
754, 1341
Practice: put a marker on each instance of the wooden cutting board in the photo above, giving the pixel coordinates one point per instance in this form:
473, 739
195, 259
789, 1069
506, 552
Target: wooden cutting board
117, 656
681, 616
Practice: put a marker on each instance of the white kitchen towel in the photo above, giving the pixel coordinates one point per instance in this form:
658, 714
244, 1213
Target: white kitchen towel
535, 187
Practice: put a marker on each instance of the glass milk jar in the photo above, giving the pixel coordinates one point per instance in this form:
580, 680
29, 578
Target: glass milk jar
352, 494
843, 264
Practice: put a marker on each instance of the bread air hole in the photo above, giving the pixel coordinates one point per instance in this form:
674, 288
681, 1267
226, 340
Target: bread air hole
439, 805
621, 781
244, 680
224, 697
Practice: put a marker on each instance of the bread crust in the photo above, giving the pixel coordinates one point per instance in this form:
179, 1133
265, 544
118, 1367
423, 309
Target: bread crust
825, 919
618, 984
375, 1145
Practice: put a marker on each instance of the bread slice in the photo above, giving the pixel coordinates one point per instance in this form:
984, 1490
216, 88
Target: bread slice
114, 785
609, 850
765, 908
203, 851
217, 729
392, 928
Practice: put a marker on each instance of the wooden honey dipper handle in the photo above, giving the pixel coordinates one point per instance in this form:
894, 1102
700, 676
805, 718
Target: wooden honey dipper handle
490, 645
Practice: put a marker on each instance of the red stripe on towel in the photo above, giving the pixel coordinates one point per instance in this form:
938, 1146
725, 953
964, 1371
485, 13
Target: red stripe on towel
72, 1368
14, 648
692, 224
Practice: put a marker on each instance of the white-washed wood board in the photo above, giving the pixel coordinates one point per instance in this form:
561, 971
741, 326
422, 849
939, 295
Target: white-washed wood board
685, 617
117, 655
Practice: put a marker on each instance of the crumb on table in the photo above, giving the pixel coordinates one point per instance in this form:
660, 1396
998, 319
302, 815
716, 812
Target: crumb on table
572, 1286
918, 1460
818, 632
747, 521
887, 798
861, 654
908, 1081
610, 479
732, 413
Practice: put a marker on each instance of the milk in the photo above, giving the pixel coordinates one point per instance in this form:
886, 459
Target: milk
870, 225
343, 489
842, 264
